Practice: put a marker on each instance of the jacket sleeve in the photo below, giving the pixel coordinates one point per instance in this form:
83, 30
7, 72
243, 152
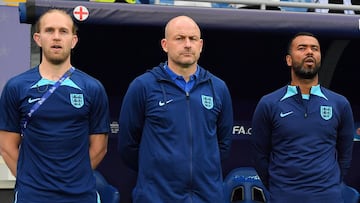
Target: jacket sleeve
225, 124
261, 141
131, 121
345, 139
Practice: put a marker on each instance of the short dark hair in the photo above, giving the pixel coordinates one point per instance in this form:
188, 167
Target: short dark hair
297, 35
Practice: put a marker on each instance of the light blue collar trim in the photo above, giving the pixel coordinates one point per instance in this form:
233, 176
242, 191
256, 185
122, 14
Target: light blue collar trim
67, 82
292, 90
316, 90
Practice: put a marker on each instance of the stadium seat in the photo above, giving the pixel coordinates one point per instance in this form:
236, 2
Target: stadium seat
107, 192
350, 194
244, 185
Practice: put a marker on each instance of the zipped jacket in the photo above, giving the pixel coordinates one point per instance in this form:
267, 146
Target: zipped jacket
176, 140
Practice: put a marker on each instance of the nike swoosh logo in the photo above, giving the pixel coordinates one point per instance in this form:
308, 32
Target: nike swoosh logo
161, 103
30, 100
282, 115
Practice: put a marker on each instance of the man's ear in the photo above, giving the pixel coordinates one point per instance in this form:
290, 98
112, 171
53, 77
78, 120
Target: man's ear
164, 45
36, 38
74, 41
288, 60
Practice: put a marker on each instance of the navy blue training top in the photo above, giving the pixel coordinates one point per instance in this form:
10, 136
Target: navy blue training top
54, 162
303, 145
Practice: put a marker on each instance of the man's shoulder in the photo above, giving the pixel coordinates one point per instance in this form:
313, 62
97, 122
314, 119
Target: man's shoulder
332, 95
277, 92
22, 78
274, 95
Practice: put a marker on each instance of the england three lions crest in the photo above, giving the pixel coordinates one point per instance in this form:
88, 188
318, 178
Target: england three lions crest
326, 112
207, 101
77, 100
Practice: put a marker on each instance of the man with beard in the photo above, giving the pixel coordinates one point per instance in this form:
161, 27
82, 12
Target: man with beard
302, 133
54, 121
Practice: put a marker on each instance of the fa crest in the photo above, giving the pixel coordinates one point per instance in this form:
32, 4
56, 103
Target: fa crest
326, 112
207, 101
77, 100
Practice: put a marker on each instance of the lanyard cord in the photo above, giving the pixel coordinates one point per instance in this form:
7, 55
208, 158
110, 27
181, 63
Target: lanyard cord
46, 95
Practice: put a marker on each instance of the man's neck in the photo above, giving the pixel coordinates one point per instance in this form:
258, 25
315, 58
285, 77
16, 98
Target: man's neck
53, 72
185, 72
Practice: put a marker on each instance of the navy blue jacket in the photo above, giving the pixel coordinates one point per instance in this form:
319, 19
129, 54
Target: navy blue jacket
176, 140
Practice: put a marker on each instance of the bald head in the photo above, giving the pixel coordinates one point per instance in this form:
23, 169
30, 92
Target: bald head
183, 45
179, 22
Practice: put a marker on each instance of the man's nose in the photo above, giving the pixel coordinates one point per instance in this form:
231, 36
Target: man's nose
187, 42
309, 51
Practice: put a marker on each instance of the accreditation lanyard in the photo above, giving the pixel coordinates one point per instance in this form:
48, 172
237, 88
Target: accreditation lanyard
47, 95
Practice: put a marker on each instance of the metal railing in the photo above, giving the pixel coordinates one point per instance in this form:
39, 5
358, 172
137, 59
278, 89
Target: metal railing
263, 4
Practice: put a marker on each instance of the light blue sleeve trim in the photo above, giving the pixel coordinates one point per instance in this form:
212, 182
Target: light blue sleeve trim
16, 194
98, 197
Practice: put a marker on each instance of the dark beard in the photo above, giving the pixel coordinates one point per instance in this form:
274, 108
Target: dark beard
304, 73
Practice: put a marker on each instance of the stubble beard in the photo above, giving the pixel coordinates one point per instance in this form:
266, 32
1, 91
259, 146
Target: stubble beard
304, 72
56, 59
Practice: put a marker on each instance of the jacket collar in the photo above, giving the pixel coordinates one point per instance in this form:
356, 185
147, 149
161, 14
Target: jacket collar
293, 90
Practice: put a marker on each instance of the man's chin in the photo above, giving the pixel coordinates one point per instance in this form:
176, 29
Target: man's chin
307, 76
188, 62
56, 61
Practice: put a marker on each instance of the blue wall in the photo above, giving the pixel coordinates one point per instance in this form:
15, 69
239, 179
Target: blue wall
14, 44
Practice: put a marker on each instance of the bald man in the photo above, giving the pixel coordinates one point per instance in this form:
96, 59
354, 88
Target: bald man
175, 124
